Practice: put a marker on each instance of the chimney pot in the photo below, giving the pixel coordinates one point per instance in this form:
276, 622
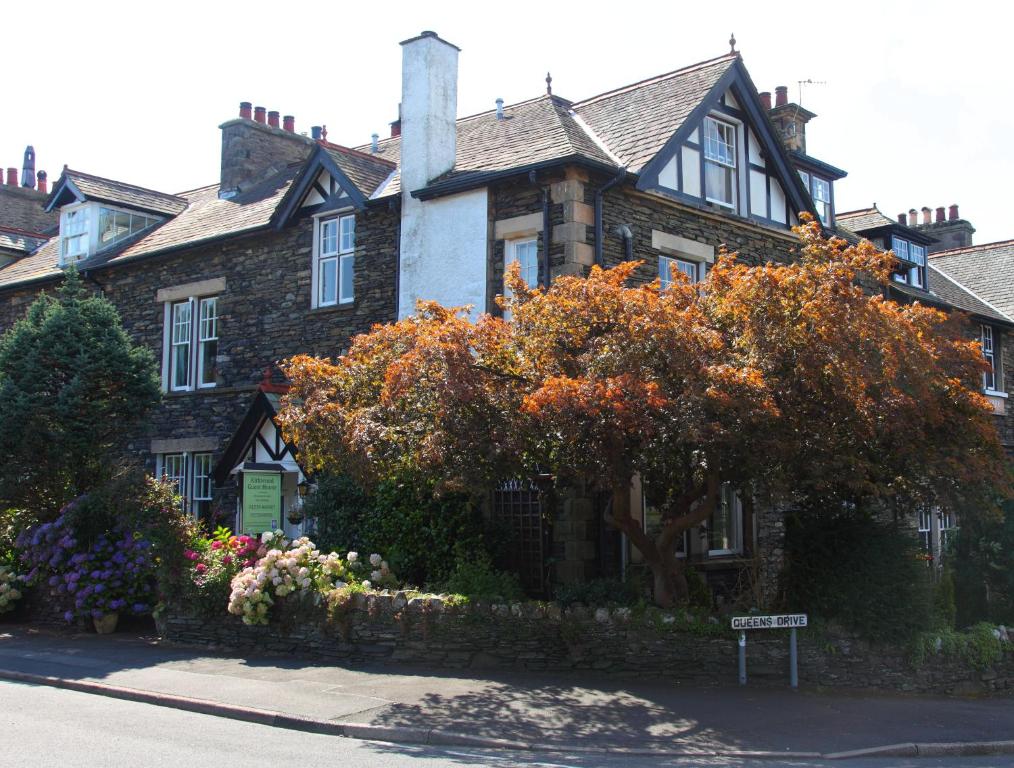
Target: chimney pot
12, 177
41, 177
499, 109
903, 219
259, 114
952, 213
375, 142
927, 215
940, 214
781, 95
246, 110
315, 132
289, 123
765, 98
273, 118
913, 217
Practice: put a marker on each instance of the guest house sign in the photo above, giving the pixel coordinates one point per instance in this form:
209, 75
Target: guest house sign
262, 501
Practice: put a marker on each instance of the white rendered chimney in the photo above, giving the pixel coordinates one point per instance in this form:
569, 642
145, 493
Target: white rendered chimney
429, 107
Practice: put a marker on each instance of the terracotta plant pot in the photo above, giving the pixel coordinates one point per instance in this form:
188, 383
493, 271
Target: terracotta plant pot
107, 624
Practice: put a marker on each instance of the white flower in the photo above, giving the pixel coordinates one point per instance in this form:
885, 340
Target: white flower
367, 585
375, 559
266, 537
352, 557
376, 576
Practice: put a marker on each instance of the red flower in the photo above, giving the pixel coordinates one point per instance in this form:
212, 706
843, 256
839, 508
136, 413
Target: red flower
201, 568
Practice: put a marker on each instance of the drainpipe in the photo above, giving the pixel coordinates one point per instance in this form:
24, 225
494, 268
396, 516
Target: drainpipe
628, 241
598, 211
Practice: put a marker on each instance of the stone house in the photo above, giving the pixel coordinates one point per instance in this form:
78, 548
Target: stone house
302, 243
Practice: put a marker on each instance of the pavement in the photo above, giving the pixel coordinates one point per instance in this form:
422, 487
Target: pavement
574, 713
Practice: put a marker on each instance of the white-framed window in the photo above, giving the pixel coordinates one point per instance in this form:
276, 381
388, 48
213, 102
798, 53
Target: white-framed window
74, 234
948, 527
526, 253
179, 356
917, 274
334, 264
725, 526
87, 228
190, 474
989, 378
720, 163
822, 199
670, 266
926, 531
192, 328
900, 248
806, 179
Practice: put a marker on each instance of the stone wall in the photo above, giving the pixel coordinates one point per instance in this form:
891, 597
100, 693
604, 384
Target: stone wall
399, 628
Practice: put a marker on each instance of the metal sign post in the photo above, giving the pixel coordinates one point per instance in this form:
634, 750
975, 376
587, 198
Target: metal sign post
790, 621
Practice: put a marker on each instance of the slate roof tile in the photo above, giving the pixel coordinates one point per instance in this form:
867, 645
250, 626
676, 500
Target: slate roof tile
129, 195
986, 269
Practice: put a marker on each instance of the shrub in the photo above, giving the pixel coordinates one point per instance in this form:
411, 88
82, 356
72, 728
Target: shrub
864, 574
983, 566
601, 592
423, 537
478, 579
11, 522
286, 568
979, 646
214, 563
10, 588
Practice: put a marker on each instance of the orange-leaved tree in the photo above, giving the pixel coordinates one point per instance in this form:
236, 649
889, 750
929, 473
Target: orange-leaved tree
787, 381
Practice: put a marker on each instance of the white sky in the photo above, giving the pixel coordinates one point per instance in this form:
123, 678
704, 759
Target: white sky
916, 107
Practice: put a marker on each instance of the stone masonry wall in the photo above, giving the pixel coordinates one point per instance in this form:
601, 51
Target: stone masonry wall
265, 314
399, 628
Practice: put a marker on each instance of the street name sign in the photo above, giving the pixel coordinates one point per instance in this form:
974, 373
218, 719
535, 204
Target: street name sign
784, 621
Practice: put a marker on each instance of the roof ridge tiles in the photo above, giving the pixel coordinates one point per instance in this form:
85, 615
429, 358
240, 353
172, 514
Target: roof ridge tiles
358, 153
72, 172
25, 232
969, 248
655, 79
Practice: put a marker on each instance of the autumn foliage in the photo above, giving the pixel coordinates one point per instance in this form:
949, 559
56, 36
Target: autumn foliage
797, 383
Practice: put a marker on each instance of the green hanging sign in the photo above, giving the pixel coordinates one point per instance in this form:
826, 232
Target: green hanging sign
262, 502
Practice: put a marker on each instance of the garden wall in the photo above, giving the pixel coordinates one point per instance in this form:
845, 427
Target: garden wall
399, 628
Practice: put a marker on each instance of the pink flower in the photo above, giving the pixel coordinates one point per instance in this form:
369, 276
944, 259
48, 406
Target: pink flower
227, 560
190, 555
201, 568
216, 545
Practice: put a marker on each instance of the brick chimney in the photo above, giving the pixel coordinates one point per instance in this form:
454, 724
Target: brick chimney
788, 117
952, 232
253, 150
22, 206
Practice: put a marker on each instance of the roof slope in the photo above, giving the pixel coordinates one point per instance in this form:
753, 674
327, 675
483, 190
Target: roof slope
23, 241
986, 269
863, 220
531, 132
110, 191
366, 171
206, 217
637, 120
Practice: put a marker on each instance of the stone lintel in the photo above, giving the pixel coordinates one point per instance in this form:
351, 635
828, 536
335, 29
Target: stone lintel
517, 226
184, 444
681, 246
200, 288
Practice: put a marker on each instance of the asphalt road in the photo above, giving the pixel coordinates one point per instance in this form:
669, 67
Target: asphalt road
49, 727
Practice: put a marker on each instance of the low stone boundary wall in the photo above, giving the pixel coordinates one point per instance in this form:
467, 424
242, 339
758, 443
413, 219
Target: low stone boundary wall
428, 631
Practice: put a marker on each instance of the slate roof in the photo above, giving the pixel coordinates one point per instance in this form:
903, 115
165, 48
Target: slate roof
636, 121
535, 131
14, 239
986, 269
946, 293
205, 217
367, 172
863, 220
129, 195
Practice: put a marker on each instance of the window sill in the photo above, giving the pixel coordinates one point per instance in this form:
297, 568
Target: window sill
209, 391
331, 308
994, 393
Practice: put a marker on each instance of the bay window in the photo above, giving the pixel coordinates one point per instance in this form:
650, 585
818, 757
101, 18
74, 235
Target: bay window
720, 162
334, 264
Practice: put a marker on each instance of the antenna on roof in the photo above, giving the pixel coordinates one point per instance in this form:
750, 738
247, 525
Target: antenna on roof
732, 42
549, 84
808, 82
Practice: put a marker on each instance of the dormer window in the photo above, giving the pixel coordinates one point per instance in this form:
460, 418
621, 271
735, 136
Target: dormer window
912, 270
87, 228
822, 199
